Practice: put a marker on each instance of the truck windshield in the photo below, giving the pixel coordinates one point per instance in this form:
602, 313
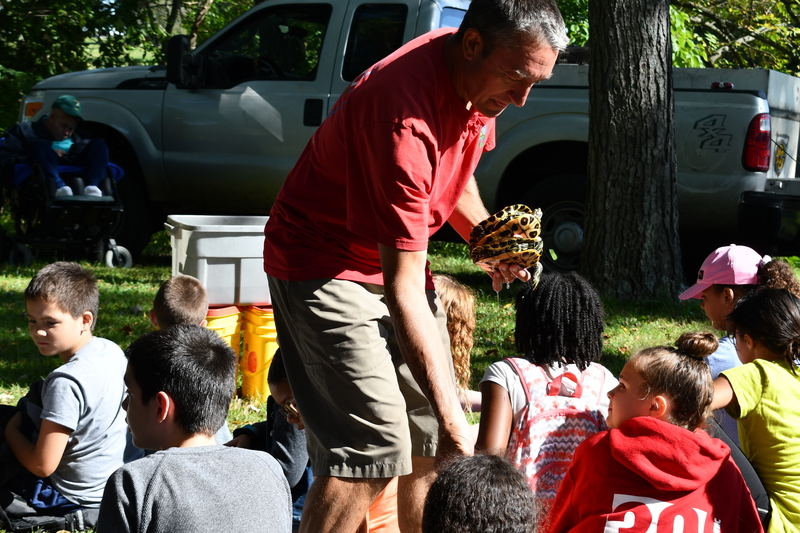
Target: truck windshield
281, 43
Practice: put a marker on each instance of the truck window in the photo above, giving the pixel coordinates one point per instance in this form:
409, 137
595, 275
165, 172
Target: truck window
282, 43
376, 31
451, 17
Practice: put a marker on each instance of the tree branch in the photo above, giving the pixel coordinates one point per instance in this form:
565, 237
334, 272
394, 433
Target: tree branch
173, 16
202, 11
688, 4
789, 5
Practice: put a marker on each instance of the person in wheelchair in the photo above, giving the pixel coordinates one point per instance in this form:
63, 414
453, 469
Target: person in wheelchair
54, 140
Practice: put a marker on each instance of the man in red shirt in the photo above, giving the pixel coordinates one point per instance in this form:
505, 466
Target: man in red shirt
362, 332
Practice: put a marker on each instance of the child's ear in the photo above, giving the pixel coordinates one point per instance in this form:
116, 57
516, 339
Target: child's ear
153, 319
86, 320
659, 405
164, 406
729, 298
747, 340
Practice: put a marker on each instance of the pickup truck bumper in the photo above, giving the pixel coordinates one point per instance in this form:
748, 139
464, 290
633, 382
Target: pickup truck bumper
769, 221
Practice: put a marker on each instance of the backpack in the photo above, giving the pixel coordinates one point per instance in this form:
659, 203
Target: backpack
552, 425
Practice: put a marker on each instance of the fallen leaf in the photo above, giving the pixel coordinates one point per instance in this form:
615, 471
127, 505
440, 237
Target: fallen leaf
624, 350
127, 329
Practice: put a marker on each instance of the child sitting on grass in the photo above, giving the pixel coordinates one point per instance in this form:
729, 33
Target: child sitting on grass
79, 433
180, 383
479, 494
559, 331
282, 436
182, 300
459, 306
763, 394
656, 469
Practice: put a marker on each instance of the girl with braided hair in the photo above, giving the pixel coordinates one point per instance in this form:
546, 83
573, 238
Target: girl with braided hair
656, 465
559, 332
763, 394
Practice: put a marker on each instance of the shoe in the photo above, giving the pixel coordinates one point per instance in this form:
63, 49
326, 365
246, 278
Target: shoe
91, 190
66, 190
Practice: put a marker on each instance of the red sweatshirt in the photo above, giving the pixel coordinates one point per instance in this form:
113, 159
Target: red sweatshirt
650, 476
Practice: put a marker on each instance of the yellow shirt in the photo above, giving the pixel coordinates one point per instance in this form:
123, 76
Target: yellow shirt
769, 432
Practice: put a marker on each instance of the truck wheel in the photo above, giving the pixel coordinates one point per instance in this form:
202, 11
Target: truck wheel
562, 199
20, 255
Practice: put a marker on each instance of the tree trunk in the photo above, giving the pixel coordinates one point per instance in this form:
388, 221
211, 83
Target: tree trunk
631, 249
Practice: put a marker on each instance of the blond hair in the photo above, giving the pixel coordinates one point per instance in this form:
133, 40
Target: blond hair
459, 306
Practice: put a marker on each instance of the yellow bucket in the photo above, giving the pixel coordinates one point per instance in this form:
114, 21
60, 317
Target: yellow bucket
260, 343
226, 321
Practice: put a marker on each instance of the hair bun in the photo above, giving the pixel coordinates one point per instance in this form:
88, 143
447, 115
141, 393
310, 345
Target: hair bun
697, 344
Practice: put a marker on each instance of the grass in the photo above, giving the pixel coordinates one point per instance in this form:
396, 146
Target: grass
126, 297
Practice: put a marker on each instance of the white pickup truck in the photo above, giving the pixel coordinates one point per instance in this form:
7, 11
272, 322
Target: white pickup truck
218, 129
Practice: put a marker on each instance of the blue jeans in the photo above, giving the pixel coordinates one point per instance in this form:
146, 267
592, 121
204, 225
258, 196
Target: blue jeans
94, 158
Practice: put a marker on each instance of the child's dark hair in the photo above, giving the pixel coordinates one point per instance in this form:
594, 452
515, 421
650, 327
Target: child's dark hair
68, 286
194, 366
682, 375
774, 274
459, 306
277, 370
479, 494
561, 321
771, 317
180, 300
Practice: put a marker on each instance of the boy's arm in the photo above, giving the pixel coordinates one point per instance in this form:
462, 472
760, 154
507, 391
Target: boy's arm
40, 459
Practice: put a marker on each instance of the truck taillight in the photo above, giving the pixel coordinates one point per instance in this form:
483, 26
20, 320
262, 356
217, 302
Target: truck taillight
755, 157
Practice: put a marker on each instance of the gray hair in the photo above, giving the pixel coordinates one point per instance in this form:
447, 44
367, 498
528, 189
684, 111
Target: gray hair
504, 22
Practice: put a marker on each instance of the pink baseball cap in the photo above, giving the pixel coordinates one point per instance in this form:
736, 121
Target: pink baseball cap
729, 265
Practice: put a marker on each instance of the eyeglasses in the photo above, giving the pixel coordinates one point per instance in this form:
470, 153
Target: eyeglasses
289, 409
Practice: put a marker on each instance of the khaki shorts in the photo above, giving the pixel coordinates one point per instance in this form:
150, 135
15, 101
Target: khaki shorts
365, 416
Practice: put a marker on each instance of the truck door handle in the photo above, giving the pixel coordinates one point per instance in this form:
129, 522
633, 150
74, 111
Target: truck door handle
312, 112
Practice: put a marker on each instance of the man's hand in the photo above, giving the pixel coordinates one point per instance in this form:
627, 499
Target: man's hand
504, 273
60, 153
455, 440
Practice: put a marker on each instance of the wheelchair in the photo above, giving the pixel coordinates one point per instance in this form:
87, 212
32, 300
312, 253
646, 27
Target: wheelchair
78, 226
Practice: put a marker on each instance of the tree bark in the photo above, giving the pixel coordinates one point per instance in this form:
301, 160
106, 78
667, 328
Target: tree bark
631, 248
202, 10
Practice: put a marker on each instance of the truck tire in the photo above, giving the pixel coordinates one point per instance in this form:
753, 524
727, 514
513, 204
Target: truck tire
562, 199
137, 224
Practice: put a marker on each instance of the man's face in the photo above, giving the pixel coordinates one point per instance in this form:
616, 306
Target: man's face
506, 75
60, 125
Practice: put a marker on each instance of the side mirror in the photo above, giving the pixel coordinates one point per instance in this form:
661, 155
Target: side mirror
183, 69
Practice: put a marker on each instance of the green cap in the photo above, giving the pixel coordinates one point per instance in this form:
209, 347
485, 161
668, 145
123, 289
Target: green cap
69, 105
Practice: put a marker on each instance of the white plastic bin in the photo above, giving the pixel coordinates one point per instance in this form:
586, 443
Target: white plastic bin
224, 252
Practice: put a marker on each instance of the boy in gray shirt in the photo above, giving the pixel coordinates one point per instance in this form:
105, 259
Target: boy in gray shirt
72, 435
180, 382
